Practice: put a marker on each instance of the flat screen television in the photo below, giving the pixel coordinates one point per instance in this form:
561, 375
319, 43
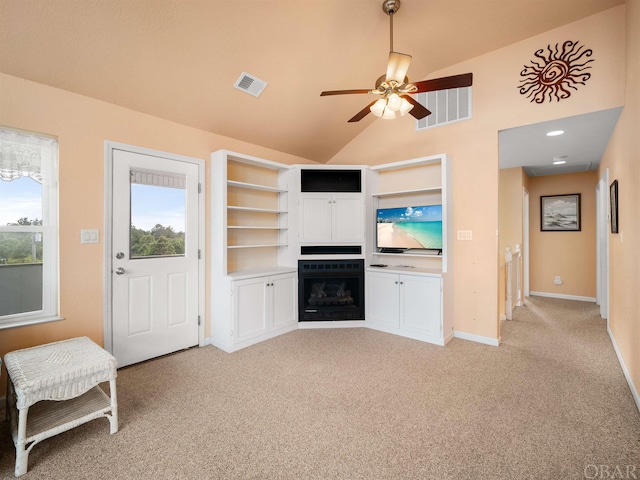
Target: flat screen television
411, 227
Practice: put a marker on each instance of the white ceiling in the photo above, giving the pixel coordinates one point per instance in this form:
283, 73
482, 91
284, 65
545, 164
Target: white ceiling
583, 143
179, 60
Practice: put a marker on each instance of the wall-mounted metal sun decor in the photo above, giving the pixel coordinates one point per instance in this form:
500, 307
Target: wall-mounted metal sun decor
551, 75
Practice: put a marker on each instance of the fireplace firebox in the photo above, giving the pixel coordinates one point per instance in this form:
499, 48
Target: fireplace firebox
330, 290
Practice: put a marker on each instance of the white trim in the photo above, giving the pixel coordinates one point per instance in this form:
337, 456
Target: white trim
503, 318
602, 245
409, 163
634, 391
29, 320
234, 347
525, 242
331, 324
563, 296
109, 147
494, 342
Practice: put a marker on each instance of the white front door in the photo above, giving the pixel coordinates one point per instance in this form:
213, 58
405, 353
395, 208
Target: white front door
154, 264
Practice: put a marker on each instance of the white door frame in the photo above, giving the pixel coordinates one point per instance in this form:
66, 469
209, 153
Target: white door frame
109, 147
602, 245
525, 243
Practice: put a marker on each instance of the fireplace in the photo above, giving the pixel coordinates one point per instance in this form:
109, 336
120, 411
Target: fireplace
330, 290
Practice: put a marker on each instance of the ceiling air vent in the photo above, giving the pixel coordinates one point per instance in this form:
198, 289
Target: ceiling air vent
539, 171
250, 84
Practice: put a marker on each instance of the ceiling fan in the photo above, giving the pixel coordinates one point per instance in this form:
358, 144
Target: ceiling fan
394, 88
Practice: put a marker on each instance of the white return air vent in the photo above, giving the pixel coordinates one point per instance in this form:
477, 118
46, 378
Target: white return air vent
539, 171
446, 106
250, 84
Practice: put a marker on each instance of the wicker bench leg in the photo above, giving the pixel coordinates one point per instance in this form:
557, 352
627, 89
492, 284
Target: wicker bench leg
22, 453
113, 419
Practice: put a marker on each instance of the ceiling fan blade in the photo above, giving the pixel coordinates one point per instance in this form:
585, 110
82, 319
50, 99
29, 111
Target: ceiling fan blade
343, 92
444, 83
397, 66
418, 111
362, 113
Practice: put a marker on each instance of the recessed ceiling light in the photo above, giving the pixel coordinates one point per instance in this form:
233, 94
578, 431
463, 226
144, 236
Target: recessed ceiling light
555, 133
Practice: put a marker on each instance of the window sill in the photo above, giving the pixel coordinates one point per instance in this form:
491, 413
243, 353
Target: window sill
23, 322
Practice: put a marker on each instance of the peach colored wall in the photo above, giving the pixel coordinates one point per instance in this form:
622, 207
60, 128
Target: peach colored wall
82, 125
510, 220
472, 287
572, 255
622, 158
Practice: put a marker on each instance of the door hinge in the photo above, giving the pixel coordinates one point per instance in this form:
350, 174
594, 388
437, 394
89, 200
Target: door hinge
198, 320
198, 254
199, 188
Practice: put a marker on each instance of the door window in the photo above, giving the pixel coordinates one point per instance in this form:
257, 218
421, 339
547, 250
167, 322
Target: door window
158, 210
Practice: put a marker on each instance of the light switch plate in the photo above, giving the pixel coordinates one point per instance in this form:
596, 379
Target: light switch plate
465, 235
90, 236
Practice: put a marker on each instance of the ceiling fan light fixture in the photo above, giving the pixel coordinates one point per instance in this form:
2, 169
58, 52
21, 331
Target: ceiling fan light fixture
388, 114
394, 88
394, 102
405, 107
378, 108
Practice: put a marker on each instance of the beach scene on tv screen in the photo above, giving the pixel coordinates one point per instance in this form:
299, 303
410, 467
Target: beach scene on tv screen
410, 227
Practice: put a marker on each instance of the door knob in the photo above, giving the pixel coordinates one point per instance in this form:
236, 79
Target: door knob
119, 271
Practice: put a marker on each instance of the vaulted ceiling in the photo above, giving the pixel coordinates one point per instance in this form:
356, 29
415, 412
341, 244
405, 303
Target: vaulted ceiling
179, 60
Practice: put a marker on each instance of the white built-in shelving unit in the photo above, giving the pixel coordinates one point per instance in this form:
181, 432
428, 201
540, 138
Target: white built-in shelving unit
254, 275
262, 219
405, 296
427, 182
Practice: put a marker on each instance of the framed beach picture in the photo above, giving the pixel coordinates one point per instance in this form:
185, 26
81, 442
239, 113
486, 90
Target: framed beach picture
560, 213
613, 191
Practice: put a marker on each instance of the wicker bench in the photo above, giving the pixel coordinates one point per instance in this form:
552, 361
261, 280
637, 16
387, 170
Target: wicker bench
56, 387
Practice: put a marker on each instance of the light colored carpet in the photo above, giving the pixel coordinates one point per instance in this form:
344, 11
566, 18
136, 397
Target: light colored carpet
550, 403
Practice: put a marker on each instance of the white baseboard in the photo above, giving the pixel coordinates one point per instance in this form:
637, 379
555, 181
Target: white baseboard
565, 297
207, 341
503, 317
494, 342
330, 324
634, 391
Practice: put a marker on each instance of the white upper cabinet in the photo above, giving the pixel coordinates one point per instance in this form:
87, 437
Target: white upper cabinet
331, 218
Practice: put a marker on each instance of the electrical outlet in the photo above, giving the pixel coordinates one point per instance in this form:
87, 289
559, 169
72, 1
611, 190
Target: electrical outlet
557, 280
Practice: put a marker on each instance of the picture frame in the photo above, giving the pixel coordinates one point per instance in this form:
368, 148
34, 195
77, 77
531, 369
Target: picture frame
613, 199
560, 213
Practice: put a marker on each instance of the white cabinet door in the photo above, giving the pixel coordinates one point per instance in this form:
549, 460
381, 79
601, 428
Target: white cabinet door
421, 305
283, 296
250, 308
383, 295
315, 218
348, 217
326, 217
